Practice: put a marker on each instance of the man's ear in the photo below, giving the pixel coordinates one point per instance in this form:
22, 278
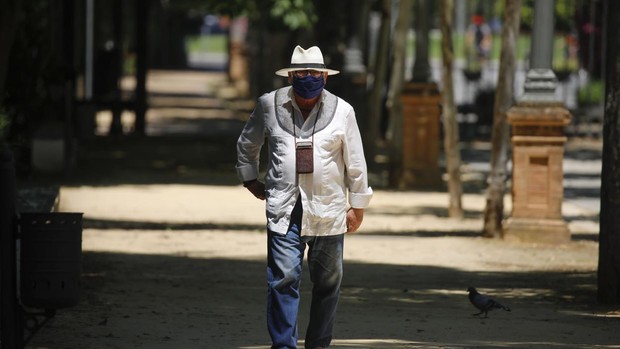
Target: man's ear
325, 77
290, 77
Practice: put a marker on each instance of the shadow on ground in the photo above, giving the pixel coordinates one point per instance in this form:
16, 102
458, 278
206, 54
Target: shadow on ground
204, 301
156, 160
154, 301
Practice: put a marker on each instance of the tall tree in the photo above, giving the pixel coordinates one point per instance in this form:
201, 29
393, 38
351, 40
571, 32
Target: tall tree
394, 105
450, 126
9, 17
375, 99
609, 235
504, 93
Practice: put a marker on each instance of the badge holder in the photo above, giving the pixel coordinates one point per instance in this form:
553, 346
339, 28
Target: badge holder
304, 157
304, 150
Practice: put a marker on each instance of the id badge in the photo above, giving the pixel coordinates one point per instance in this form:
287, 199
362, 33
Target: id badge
304, 157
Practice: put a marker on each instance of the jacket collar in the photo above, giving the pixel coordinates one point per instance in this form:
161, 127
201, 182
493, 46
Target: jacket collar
284, 102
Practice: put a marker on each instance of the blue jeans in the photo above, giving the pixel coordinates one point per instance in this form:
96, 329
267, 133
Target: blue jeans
284, 267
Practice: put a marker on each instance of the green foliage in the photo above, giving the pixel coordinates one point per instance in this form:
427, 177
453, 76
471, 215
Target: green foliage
564, 11
33, 78
4, 125
129, 64
565, 15
294, 13
527, 14
523, 47
592, 93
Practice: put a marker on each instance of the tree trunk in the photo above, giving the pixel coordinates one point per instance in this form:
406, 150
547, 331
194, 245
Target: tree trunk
378, 88
493, 212
450, 126
609, 235
394, 104
9, 16
142, 39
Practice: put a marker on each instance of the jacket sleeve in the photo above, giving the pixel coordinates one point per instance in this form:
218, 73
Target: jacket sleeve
249, 145
356, 172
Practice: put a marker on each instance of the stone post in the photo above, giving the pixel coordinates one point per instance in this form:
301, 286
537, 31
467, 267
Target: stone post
421, 65
421, 111
538, 140
537, 155
421, 102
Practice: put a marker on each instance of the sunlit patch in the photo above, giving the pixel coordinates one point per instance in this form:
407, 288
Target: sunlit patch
408, 300
366, 343
613, 314
441, 292
103, 122
360, 343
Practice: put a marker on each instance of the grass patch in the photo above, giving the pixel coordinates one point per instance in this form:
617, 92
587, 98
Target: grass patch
592, 93
560, 61
206, 43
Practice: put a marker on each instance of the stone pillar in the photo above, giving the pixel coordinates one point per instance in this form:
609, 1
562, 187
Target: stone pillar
537, 191
421, 111
421, 65
421, 101
538, 140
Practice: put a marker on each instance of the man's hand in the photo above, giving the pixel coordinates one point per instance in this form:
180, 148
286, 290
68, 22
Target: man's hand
355, 216
257, 188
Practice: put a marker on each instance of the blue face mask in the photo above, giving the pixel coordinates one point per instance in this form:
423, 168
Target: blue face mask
308, 87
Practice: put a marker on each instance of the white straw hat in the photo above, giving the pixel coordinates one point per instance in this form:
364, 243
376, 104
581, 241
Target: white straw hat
302, 59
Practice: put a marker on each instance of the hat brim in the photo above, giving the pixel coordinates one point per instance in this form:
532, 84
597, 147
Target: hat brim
284, 72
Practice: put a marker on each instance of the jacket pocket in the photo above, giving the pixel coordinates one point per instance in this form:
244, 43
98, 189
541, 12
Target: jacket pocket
327, 206
331, 142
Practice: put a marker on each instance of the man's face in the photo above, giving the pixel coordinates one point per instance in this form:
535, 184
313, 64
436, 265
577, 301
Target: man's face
304, 73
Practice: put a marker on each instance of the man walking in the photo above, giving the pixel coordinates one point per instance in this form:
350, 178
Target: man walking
316, 169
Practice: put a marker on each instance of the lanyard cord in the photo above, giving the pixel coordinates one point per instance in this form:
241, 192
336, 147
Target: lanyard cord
318, 113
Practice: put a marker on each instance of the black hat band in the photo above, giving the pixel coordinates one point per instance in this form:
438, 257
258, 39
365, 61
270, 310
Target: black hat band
308, 65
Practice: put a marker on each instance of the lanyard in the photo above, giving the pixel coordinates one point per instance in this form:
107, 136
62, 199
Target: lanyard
318, 113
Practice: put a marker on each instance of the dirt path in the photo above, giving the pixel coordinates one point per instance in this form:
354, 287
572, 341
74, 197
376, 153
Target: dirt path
183, 266
171, 262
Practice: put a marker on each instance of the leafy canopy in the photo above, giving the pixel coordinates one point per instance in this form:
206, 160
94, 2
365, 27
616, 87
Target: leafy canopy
294, 14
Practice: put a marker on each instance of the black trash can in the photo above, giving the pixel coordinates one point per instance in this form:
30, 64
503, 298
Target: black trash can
50, 256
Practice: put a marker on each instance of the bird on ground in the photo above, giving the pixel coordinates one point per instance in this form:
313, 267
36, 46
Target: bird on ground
483, 303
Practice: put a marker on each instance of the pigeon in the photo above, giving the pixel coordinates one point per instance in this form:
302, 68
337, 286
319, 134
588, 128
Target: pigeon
483, 303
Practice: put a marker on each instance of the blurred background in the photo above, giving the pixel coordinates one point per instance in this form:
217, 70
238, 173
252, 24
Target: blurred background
118, 101
91, 73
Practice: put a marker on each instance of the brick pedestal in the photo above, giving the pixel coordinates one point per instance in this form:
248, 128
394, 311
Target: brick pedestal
537, 191
421, 111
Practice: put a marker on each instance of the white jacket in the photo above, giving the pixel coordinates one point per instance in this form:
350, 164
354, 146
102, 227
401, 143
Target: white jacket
339, 162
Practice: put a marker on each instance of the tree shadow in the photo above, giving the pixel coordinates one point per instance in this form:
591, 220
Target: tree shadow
108, 224
583, 154
107, 161
420, 210
148, 301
